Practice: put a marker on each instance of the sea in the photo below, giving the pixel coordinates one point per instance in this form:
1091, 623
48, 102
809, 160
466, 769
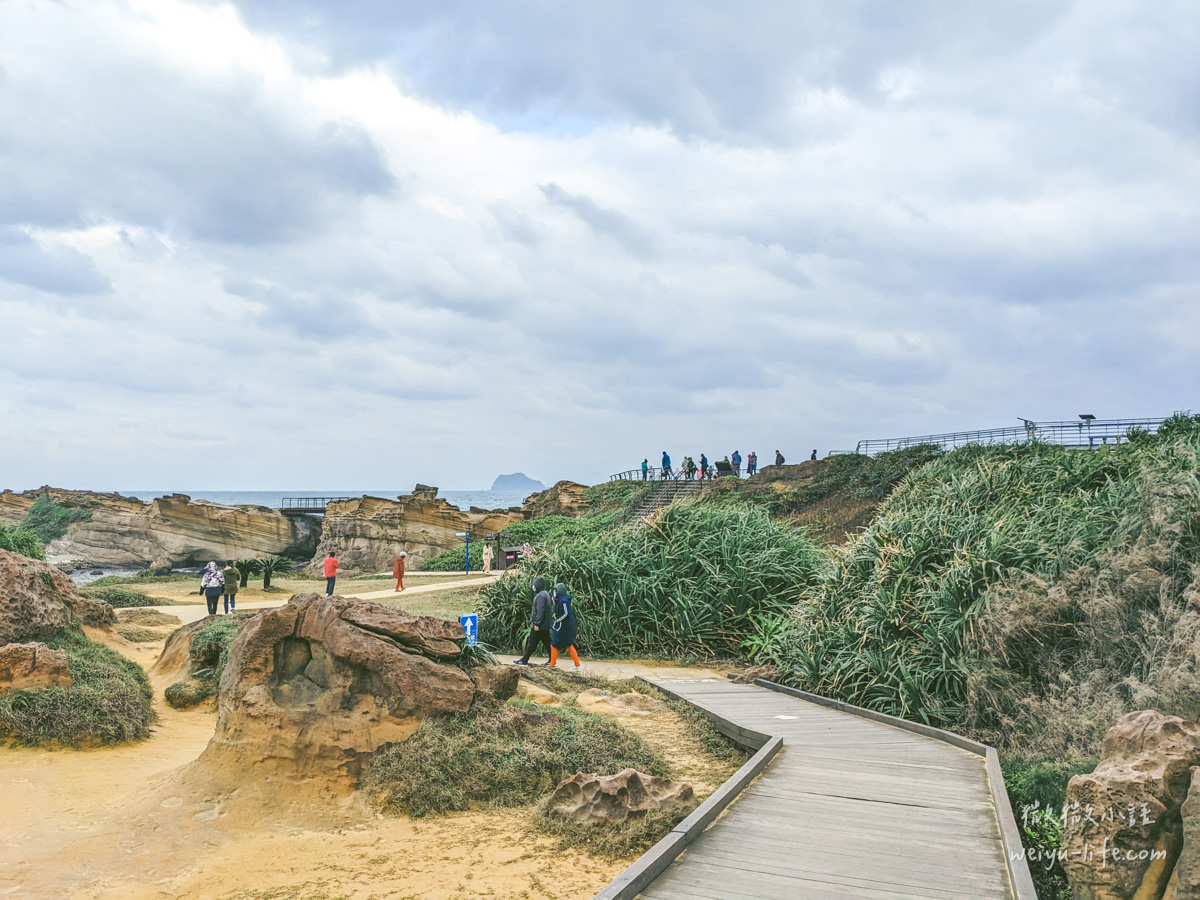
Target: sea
462, 499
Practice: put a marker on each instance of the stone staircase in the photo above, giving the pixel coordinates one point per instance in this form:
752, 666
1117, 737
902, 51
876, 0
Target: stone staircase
664, 493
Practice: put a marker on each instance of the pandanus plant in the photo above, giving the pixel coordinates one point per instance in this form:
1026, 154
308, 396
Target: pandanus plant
246, 568
273, 565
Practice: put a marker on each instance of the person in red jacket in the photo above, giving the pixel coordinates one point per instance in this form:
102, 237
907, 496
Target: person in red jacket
331, 567
398, 570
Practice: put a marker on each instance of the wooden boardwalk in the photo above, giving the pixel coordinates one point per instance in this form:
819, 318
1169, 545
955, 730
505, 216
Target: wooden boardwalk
848, 808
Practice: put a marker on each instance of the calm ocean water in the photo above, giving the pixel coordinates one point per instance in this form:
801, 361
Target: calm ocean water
461, 499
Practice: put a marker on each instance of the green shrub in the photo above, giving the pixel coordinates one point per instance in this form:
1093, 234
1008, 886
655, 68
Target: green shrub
49, 520
124, 598
505, 757
691, 581
109, 703
210, 646
139, 635
541, 533
20, 540
190, 692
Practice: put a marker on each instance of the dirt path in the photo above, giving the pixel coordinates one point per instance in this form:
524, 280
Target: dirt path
118, 823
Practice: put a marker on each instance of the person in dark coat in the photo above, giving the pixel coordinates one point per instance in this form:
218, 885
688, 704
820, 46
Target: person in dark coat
562, 629
540, 619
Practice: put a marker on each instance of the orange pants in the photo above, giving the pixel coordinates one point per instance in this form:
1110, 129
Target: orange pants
400, 583
554, 656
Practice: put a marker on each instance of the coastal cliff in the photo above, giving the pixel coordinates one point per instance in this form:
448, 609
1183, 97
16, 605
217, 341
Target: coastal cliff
366, 533
164, 533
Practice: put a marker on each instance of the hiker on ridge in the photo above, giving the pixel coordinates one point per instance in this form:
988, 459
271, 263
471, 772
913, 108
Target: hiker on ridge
666, 466
736, 462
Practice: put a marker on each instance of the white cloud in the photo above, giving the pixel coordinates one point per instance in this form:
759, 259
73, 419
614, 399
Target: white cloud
253, 245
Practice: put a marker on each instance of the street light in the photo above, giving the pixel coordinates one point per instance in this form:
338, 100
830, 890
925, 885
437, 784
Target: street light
467, 555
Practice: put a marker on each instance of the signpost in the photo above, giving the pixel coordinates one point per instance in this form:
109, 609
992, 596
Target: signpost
467, 557
470, 624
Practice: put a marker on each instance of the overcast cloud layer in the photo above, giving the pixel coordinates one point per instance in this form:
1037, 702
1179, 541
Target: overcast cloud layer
269, 245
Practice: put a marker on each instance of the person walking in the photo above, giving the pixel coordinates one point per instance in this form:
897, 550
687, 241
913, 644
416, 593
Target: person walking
736, 462
540, 619
562, 629
231, 576
778, 458
666, 466
398, 570
646, 469
751, 463
703, 466
487, 558
212, 585
814, 455
331, 567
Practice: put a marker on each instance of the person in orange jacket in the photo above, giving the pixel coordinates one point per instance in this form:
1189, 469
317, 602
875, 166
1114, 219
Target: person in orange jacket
398, 570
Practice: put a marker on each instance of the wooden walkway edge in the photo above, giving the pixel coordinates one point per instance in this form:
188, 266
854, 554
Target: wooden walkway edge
853, 803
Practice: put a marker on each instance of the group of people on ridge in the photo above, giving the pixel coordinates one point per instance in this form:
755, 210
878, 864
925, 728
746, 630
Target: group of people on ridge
690, 470
551, 624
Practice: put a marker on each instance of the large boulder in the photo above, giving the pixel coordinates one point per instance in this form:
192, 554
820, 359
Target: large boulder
32, 666
312, 688
566, 498
1122, 833
37, 600
1185, 880
611, 799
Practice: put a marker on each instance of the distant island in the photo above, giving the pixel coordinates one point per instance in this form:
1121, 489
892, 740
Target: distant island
517, 481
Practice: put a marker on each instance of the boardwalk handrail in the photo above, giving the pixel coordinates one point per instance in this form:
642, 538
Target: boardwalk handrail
307, 504
1090, 433
642, 871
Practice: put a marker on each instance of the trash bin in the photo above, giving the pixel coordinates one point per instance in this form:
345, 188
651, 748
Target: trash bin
509, 556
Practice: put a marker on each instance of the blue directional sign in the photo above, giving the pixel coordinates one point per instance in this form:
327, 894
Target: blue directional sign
470, 624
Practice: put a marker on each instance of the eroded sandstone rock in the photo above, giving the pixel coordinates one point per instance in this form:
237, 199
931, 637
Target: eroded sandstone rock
1122, 835
166, 532
611, 799
1185, 880
32, 666
566, 498
312, 688
37, 600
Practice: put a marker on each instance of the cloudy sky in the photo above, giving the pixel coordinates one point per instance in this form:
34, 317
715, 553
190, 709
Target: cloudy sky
317, 245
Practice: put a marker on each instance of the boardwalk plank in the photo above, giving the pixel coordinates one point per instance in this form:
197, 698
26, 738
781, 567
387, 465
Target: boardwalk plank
849, 808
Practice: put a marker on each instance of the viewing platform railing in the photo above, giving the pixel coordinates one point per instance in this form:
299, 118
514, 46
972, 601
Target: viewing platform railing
1083, 433
307, 504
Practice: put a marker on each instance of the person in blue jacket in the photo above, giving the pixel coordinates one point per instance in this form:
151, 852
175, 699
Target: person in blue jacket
562, 629
666, 466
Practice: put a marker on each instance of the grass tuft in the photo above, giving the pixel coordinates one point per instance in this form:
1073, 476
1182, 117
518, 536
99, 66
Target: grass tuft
109, 703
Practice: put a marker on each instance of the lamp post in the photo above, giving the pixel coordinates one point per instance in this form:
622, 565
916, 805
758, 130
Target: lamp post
467, 555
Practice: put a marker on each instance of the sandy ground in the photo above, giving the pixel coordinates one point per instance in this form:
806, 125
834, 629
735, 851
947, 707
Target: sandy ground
124, 823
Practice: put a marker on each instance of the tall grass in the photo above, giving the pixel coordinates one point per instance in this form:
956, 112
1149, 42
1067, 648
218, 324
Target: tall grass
693, 581
538, 532
969, 593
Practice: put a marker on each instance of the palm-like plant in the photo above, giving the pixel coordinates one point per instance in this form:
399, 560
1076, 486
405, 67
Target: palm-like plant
246, 568
273, 565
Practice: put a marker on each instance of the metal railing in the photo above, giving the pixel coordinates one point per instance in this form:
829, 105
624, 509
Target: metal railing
307, 504
1084, 433
655, 474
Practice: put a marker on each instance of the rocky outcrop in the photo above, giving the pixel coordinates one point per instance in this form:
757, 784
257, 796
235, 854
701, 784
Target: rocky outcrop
1122, 834
1185, 880
167, 532
30, 667
567, 498
37, 600
612, 799
367, 533
312, 688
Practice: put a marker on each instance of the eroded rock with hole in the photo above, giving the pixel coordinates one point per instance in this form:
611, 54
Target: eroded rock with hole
30, 667
37, 600
1122, 834
612, 799
312, 688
